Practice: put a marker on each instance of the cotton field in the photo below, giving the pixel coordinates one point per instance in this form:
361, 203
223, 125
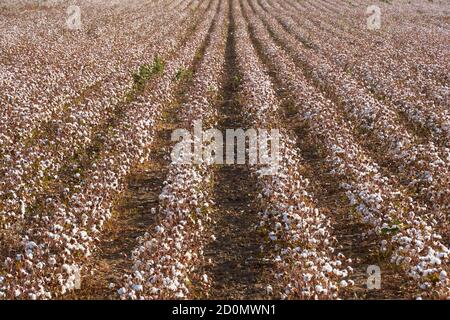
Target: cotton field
96, 95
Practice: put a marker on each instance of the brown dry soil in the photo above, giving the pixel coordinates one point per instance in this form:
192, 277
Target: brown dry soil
133, 217
237, 269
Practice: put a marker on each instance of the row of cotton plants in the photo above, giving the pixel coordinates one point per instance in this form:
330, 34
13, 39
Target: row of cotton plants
308, 267
167, 259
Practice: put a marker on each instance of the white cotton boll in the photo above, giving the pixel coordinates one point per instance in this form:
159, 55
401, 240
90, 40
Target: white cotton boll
66, 268
343, 284
213, 237
272, 236
337, 272
84, 219
327, 268
63, 289
83, 235
436, 261
111, 285
322, 231
138, 275
159, 229
205, 278
307, 277
442, 276
424, 286
319, 289
138, 287
188, 256
154, 290
121, 291
22, 207
172, 287
31, 245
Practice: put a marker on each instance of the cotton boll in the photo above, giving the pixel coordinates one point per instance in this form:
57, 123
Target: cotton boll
307, 277
272, 236
137, 287
159, 229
